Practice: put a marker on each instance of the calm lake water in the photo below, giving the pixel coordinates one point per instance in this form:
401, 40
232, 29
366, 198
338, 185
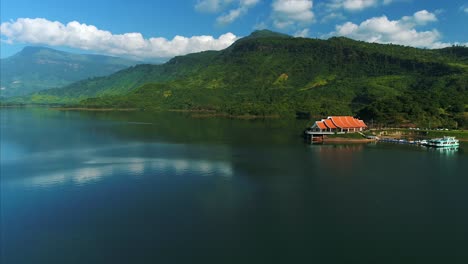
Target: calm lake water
108, 187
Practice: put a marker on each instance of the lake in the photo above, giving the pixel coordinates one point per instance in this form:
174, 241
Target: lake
136, 187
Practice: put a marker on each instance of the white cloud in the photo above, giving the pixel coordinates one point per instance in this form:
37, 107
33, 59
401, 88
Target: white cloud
403, 31
233, 14
356, 5
352, 5
249, 2
238, 8
333, 16
89, 37
292, 12
211, 6
423, 17
229, 17
302, 33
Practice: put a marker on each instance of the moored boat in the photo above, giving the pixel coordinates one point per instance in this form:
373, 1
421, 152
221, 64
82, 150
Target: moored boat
422, 142
445, 142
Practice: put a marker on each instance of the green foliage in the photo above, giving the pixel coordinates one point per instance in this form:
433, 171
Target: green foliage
272, 74
427, 102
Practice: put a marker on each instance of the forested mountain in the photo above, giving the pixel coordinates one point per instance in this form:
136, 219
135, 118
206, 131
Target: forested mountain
273, 74
38, 68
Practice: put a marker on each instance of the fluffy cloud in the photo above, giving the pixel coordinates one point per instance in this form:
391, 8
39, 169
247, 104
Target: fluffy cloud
356, 5
423, 17
233, 14
302, 33
249, 2
332, 16
403, 31
88, 37
217, 6
211, 6
230, 17
292, 12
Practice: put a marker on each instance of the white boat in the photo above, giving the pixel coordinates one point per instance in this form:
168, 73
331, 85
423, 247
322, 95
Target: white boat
445, 142
423, 142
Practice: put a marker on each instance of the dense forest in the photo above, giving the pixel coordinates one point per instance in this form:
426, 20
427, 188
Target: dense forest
269, 74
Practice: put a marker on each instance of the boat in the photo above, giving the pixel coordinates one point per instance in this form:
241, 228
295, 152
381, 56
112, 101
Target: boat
422, 142
445, 142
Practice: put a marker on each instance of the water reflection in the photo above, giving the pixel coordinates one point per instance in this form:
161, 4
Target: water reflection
335, 148
444, 151
79, 176
338, 159
45, 180
87, 175
99, 168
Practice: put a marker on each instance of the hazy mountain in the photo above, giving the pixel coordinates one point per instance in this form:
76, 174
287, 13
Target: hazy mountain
38, 68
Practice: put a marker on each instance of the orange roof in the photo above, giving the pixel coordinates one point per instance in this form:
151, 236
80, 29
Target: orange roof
362, 123
347, 122
329, 123
353, 121
321, 125
337, 120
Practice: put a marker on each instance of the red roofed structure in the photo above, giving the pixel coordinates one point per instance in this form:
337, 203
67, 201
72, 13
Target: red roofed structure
321, 125
337, 124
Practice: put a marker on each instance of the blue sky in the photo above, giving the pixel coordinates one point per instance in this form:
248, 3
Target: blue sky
157, 30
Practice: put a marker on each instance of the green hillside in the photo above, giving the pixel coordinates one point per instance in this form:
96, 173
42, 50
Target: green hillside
38, 68
273, 74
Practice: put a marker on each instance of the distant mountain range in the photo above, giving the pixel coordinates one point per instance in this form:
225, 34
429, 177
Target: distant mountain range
38, 68
268, 73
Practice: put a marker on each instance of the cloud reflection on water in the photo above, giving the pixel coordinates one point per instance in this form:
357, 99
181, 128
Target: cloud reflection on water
96, 169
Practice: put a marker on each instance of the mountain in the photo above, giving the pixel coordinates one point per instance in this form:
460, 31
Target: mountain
38, 68
268, 73
265, 33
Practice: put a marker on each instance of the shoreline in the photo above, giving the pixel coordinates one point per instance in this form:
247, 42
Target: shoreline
364, 140
194, 113
244, 117
93, 109
212, 113
348, 140
461, 135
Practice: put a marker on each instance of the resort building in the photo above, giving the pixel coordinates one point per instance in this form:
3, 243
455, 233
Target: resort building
338, 124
